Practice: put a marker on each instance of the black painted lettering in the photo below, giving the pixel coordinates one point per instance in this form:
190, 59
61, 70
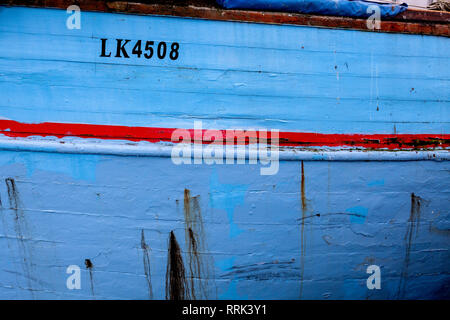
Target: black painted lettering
121, 48
174, 50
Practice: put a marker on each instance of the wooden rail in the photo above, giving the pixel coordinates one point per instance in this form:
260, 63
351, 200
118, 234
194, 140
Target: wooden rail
424, 22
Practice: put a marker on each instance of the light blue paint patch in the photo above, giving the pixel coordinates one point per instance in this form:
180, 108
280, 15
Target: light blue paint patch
226, 197
376, 183
225, 264
318, 157
78, 167
231, 293
359, 214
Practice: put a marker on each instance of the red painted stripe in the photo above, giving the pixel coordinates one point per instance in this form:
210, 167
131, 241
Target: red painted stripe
12, 128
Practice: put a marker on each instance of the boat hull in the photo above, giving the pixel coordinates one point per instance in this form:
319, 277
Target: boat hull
88, 178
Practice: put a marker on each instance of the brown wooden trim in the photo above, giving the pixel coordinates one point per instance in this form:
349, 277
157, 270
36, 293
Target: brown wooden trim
410, 22
423, 16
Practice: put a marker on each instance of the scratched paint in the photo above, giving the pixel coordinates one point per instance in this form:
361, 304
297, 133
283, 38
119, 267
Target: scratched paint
67, 228
198, 260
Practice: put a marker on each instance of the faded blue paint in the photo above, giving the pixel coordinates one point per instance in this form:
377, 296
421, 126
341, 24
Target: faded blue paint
77, 206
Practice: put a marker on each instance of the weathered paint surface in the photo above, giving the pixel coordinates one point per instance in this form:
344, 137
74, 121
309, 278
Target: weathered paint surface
251, 76
67, 213
142, 227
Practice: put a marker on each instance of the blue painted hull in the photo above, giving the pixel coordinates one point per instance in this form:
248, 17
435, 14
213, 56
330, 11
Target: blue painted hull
308, 232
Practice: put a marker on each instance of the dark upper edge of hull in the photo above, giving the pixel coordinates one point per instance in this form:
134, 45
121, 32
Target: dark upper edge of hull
424, 22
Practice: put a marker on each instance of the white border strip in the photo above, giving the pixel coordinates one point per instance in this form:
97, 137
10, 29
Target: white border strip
146, 149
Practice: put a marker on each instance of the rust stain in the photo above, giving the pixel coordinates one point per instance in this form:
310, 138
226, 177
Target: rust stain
327, 239
146, 260
176, 285
199, 263
411, 232
89, 265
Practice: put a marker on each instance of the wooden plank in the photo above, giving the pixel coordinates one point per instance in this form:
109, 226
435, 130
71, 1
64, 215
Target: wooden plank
429, 23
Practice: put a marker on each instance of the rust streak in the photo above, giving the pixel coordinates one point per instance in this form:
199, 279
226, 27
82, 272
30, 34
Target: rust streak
176, 285
302, 231
22, 232
146, 260
410, 22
